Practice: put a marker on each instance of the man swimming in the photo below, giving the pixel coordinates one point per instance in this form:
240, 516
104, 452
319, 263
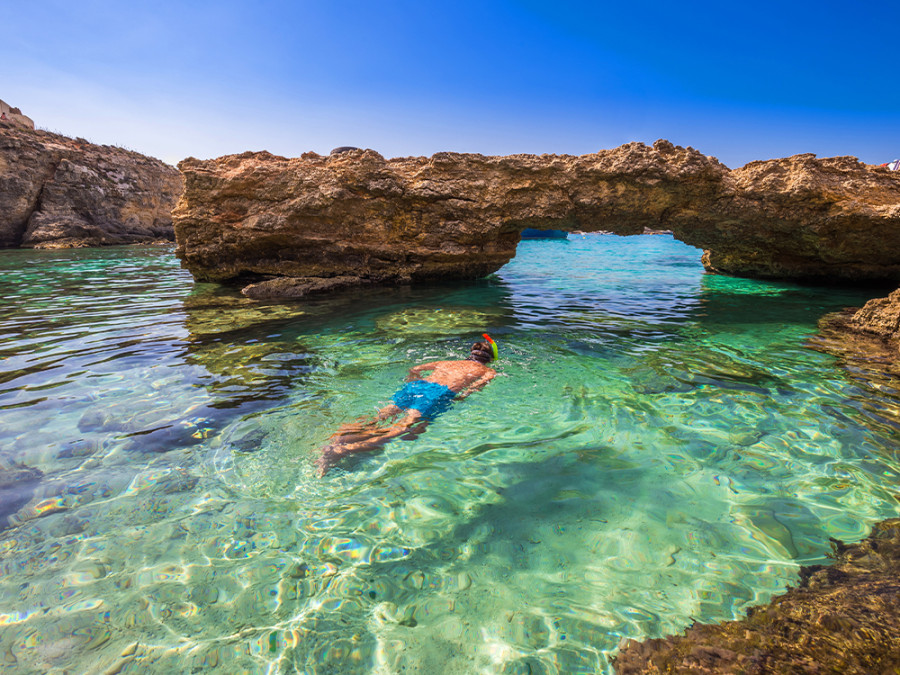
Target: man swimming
419, 401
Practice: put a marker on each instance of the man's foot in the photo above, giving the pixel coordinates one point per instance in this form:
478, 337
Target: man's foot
332, 454
329, 457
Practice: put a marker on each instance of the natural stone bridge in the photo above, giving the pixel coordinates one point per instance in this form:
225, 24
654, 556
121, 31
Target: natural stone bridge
295, 225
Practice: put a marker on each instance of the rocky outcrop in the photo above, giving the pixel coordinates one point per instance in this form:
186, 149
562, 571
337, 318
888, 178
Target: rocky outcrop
56, 192
865, 340
879, 317
357, 216
840, 619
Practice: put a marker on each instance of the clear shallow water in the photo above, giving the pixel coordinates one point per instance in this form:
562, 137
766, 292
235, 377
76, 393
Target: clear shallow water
660, 448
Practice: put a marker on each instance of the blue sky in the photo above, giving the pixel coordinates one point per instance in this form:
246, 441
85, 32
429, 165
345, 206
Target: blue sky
737, 80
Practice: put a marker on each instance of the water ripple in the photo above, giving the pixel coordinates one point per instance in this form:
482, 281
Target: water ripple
659, 449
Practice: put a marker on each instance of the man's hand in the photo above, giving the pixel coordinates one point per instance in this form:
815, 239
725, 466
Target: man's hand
477, 384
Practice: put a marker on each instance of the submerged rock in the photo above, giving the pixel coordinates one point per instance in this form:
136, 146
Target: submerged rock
841, 619
17, 485
356, 216
56, 192
869, 359
866, 343
297, 287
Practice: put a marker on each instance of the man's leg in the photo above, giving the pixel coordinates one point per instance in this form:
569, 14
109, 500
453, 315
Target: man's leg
376, 437
365, 427
369, 440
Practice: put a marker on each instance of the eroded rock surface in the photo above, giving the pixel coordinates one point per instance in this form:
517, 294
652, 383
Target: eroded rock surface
880, 316
56, 192
841, 619
354, 214
866, 339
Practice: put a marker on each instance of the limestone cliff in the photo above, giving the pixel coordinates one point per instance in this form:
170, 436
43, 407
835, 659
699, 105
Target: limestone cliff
351, 217
56, 192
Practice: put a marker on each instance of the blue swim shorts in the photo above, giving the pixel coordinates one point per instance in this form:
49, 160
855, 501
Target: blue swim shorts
429, 398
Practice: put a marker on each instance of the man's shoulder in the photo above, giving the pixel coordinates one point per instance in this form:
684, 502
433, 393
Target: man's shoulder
467, 364
482, 369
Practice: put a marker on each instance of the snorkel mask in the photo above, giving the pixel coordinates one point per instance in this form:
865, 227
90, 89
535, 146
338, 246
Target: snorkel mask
493, 345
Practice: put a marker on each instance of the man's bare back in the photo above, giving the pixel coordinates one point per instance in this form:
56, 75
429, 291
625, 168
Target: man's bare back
456, 375
419, 401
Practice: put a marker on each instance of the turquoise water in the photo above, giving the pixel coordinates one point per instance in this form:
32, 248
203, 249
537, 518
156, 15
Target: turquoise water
660, 448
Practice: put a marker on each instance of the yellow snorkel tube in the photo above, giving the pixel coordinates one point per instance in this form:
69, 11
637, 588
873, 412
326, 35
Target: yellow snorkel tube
492, 344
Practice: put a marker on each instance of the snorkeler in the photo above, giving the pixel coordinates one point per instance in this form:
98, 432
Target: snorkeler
419, 401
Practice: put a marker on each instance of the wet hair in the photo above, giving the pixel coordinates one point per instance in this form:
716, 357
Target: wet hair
481, 352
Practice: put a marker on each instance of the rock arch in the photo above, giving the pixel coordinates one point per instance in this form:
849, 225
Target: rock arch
355, 217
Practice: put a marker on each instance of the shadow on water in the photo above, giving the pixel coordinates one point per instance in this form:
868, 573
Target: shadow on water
735, 301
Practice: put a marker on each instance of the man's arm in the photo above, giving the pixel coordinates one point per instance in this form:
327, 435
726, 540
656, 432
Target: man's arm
477, 384
415, 371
